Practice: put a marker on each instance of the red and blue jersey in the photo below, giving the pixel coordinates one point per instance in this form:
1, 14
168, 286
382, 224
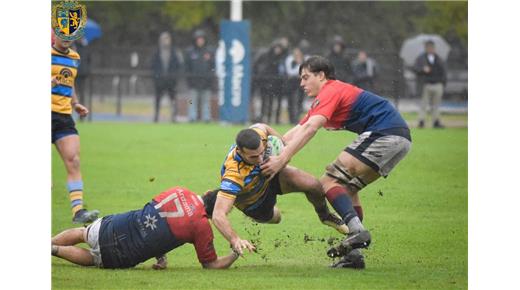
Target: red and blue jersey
171, 219
347, 107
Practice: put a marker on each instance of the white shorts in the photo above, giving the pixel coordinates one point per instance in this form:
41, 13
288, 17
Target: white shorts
380, 152
93, 241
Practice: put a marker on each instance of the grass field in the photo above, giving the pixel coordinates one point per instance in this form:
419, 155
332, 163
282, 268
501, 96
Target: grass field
418, 216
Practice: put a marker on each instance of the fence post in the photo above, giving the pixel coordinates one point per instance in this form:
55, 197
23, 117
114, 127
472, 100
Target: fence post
89, 97
118, 101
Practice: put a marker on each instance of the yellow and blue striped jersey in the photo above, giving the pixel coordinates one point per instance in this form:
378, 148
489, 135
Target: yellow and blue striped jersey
241, 181
65, 69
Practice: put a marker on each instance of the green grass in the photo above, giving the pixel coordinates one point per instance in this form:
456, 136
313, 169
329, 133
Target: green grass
418, 222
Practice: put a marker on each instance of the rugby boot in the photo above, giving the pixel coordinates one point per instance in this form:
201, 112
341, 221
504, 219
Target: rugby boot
334, 222
84, 216
354, 260
357, 240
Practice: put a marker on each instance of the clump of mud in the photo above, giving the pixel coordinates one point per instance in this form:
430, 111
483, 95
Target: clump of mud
267, 247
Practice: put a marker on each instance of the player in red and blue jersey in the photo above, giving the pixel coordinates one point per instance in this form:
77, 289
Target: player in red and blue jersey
383, 140
173, 218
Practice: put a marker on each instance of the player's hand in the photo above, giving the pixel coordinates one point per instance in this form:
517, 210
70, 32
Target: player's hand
426, 69
272, 166
238, 245
161, 263
81, 110
54, 81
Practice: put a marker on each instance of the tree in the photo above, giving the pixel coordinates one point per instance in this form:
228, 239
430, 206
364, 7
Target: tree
447, 17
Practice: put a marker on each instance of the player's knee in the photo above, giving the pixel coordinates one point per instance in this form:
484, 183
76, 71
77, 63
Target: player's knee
356, 184
344, 176
73, 161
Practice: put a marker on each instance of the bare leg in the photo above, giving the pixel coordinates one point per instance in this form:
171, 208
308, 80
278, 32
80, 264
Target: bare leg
344, 198
75, 255
63, 247
68, 147
296, 180
70, 237
355, 168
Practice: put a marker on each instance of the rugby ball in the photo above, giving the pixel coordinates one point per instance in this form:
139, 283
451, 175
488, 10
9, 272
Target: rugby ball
274, 146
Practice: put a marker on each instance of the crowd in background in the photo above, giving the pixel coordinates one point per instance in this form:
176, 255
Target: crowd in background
275, 75
275, 79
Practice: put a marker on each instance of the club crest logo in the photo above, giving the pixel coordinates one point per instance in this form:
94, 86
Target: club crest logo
69, 19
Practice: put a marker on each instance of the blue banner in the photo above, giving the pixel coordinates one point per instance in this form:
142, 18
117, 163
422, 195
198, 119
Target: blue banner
233, 68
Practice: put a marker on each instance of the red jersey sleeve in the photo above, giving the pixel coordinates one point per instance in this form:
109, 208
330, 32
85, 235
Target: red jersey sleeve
204, 243
325, 103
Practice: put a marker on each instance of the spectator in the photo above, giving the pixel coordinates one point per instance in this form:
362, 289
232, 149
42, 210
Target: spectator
166, 67
364, 71
269, 68
431, 79
294, 94
282, 76
200, 74
339, 60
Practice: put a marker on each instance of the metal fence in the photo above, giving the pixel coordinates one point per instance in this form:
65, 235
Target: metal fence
122, 74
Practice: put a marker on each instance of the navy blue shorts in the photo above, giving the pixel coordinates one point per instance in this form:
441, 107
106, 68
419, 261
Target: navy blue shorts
264, 211
62, 125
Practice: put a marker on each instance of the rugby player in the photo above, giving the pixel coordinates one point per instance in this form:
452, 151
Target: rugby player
243, 186
173, 218
383, 140
64, 69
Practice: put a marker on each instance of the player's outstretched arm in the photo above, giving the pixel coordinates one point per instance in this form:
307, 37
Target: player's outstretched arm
222, 207
222, 262
287, 137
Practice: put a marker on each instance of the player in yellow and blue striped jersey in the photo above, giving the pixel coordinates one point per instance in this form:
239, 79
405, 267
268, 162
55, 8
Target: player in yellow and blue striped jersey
64, 70
243, 186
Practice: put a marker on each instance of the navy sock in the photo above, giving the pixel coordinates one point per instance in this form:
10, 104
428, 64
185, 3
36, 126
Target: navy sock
341, 202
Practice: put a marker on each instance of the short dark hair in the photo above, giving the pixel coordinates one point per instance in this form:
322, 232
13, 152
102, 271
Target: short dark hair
248, 138
317, 63
429, 42
209, 199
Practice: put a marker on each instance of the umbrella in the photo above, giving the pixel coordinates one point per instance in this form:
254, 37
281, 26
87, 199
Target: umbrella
92, 30
414, 46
